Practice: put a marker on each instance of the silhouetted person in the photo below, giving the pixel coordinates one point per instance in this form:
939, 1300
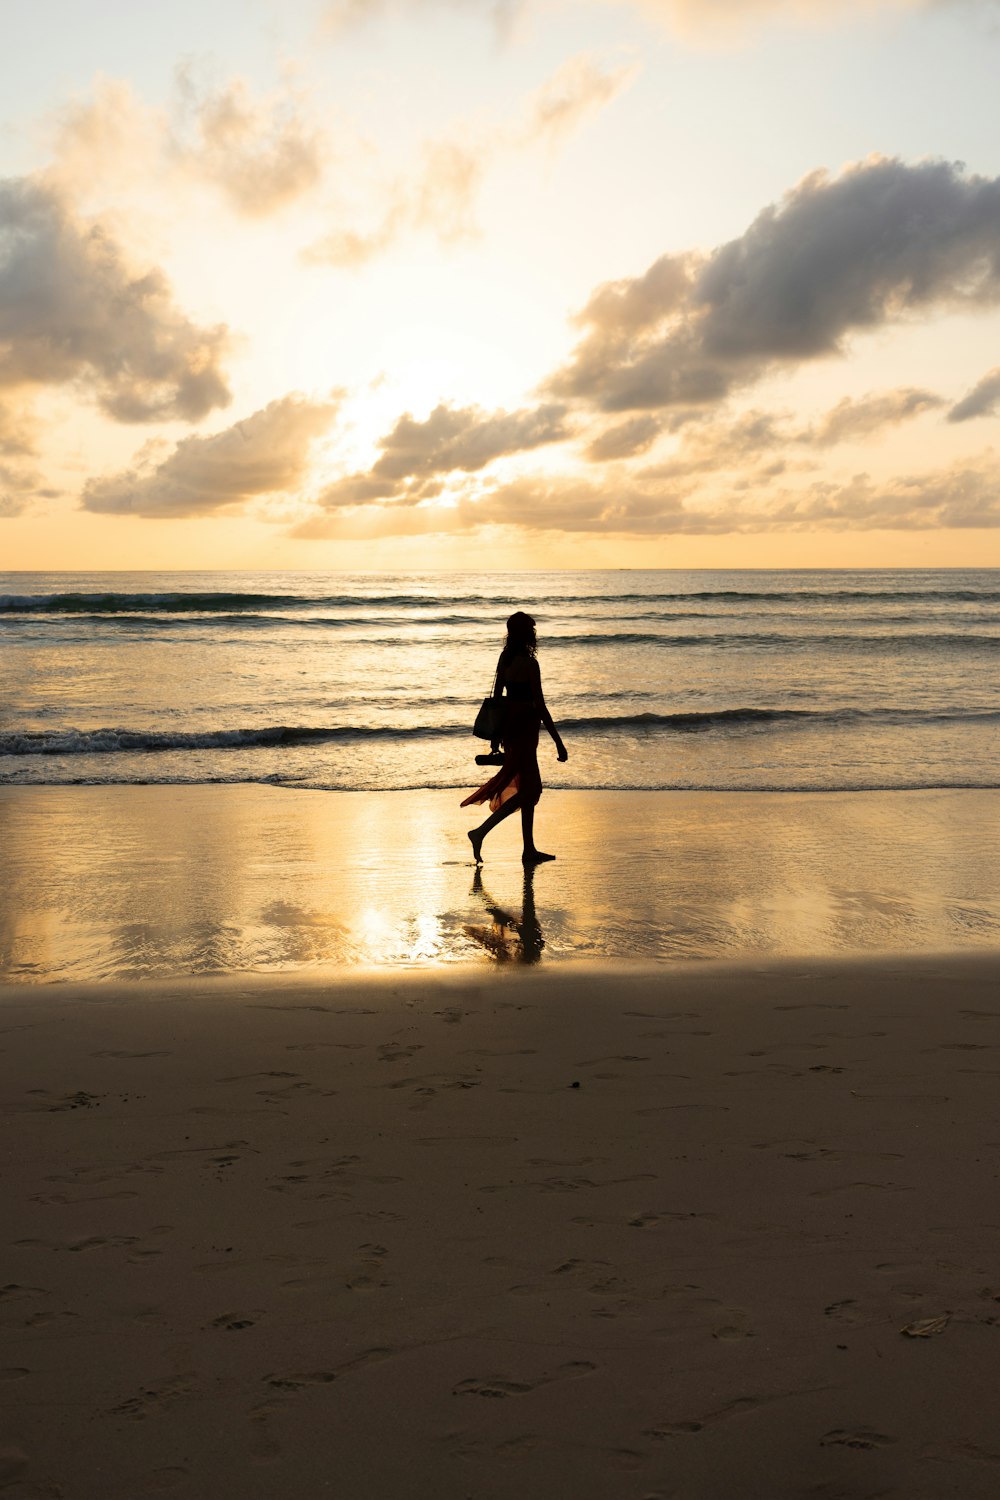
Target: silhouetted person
517, 785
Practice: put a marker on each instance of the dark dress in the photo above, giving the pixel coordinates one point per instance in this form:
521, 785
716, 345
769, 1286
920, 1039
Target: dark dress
519, 772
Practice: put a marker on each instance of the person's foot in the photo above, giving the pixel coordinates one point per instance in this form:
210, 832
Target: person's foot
533, 856
477, 846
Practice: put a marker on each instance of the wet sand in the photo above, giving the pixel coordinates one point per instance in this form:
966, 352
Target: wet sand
144, 882
708, 1231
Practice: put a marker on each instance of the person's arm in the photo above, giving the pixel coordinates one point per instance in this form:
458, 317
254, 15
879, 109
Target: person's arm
498, 686
543, 711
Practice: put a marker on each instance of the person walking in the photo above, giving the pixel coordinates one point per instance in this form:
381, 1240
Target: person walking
517, 786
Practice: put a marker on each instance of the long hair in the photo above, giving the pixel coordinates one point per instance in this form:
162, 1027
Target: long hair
520, 635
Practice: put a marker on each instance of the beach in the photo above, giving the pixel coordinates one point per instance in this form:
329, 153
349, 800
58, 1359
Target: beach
333, 1164
703, 1230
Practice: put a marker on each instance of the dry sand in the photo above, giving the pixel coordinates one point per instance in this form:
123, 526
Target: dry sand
577, 1234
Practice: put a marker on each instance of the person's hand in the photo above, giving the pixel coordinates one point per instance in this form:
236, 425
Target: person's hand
561, 752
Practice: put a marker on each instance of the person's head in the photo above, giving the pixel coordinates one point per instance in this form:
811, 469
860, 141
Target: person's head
520, 634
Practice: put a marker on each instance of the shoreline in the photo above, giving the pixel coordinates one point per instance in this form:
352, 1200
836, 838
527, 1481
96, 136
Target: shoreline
710, 1229
132, 882
272, 784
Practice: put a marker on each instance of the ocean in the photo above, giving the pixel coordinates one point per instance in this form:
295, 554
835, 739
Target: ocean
721, 680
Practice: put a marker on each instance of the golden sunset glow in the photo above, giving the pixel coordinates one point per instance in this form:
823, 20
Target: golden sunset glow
422, 285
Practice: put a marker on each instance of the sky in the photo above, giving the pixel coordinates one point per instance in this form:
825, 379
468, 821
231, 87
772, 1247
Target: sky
394, 284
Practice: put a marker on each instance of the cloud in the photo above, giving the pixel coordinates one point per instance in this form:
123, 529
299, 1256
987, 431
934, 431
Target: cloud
529, 504
420, 462
109, 138
18, 434
20, 481
721, 18
624, 439
73, 312
265, 454
574, 505
695, 20
964, 496
861, 417
879, 243
575, 90
452, 439
438, 197
742, 443
343, 15
748, 443
261, 153
981, 401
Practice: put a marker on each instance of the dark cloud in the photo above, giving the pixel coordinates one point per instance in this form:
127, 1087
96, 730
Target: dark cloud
265, 454
72, 312
839, 255
452, 439
465, 438
981, 401
624, 439
261, 153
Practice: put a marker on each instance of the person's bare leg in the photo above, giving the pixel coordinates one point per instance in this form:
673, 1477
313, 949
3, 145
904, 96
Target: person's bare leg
476, 835
531, 855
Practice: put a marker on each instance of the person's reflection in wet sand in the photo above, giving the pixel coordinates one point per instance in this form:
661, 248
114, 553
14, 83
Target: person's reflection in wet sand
509, 939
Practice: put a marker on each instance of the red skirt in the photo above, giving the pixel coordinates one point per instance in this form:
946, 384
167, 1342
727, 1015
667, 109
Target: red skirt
518, 776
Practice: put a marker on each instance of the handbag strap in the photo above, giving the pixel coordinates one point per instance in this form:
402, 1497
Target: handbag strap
496, 677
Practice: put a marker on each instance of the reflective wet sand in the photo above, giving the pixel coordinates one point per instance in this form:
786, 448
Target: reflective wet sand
148, 882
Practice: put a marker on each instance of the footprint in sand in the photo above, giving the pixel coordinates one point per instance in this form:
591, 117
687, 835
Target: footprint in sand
153, 1400
304, 1381
130, 1055
396, 1052
733, 1331
849, 1187
301, 1382
235, 1322
846, 1311
739, 1407
369, 1273
499, 1389
857, 1437
80, 1100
